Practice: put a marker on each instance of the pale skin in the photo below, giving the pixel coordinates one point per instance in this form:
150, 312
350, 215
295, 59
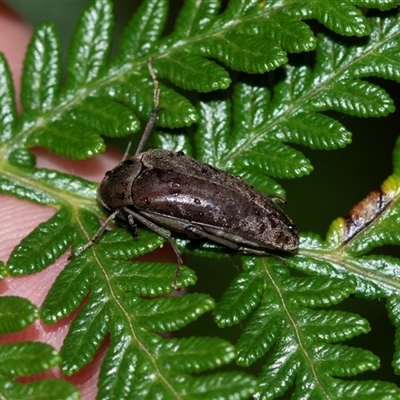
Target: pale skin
18, 218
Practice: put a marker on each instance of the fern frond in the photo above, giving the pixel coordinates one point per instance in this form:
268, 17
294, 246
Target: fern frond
132, 323
8, 109
344, 254
250, 135
116, 306
3, 270
283, 321
246, 37
17, 313
90, 45
41, 80
23, 359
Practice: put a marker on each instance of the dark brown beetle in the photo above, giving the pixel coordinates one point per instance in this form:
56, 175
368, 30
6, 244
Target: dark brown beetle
188, 196
172, 190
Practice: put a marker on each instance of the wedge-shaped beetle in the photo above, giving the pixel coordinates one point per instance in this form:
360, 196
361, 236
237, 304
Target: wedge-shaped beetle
177, 192
188, 196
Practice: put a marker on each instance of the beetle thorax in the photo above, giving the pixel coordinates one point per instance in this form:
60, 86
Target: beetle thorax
115, 190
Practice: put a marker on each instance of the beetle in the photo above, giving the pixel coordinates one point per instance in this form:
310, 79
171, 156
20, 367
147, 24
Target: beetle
162, 188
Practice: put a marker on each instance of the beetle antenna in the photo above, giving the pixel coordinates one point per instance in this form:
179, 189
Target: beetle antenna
156, 111
154, 115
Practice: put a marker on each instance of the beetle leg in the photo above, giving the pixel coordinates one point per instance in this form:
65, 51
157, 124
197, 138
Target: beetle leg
232, 245
133, 215
200, 232
96, 236
132, 225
